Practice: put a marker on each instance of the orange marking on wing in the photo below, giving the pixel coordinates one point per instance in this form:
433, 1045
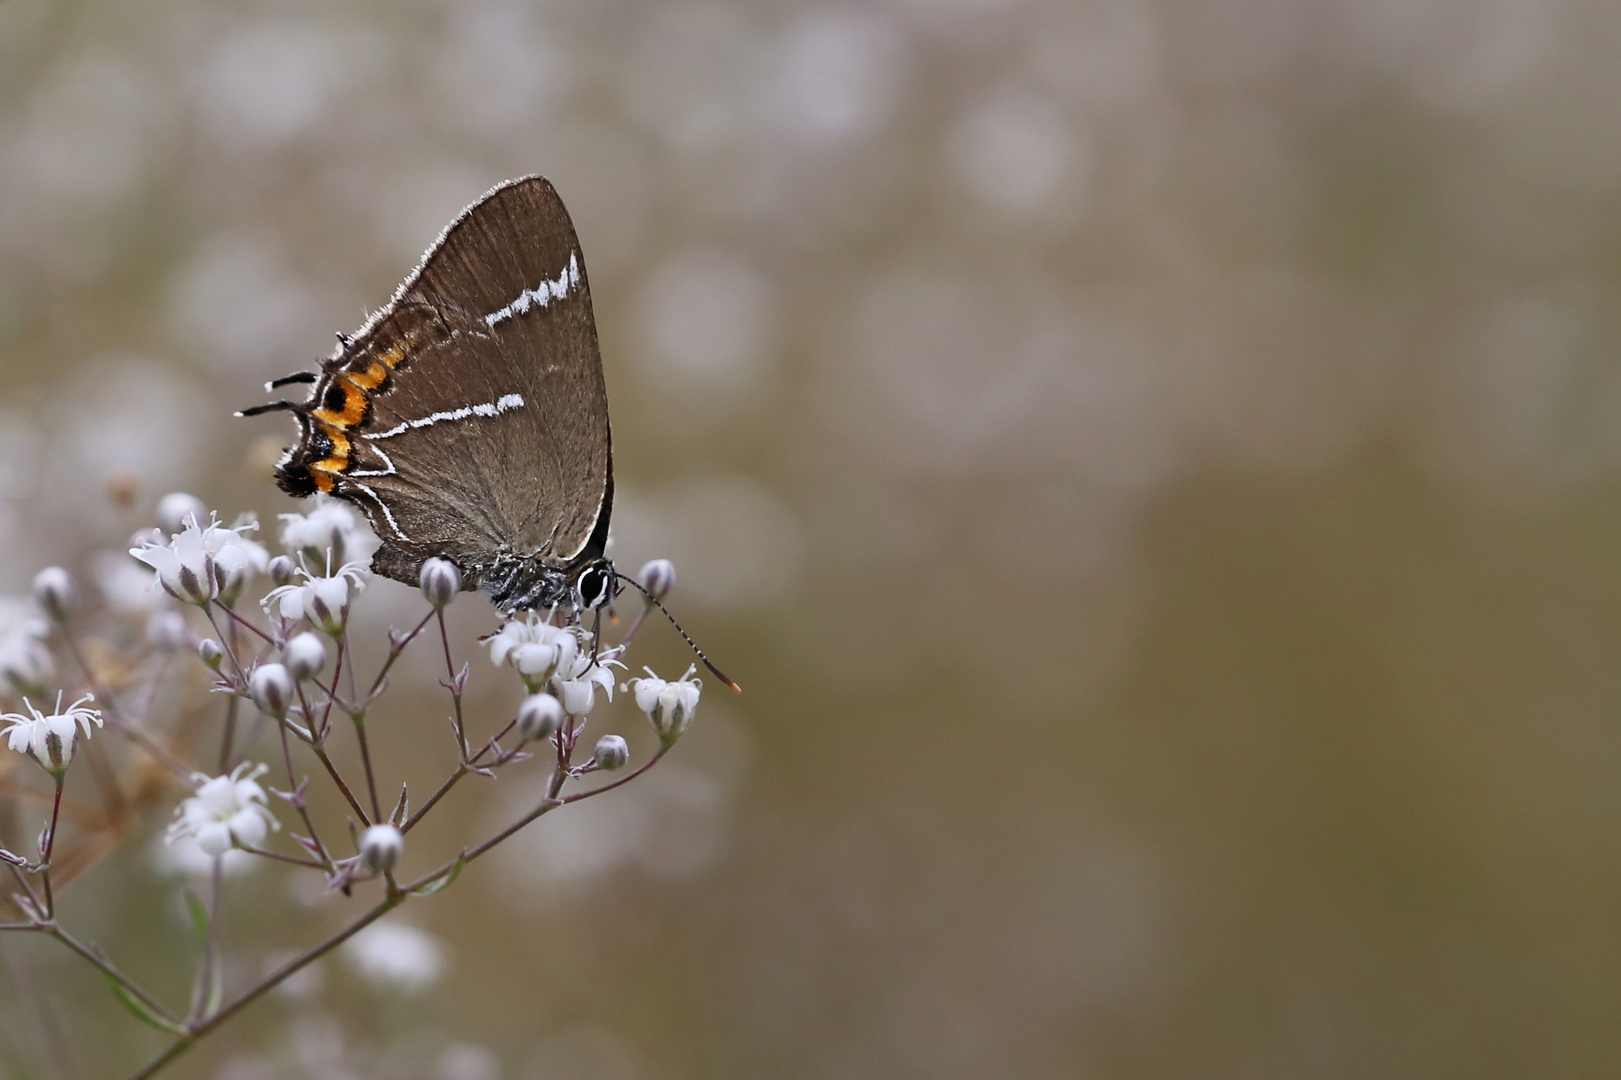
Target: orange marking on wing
336, 461
370, 379
354, 408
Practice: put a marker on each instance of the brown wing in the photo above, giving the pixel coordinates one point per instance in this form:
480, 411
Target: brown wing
469, 417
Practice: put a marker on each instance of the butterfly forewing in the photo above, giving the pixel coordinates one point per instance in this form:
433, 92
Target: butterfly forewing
469, 418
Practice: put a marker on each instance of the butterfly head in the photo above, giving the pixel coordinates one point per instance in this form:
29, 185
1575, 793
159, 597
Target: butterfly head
595, 585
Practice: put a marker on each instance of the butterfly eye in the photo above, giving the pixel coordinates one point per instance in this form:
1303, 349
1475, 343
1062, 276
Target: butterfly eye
592, 587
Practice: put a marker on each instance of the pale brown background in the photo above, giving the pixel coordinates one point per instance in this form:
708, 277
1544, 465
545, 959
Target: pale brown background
1152, 465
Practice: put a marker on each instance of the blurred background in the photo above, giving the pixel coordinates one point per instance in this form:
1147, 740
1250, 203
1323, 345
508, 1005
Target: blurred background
1153, 467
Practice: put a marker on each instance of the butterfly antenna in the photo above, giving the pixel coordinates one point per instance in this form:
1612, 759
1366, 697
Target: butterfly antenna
289, 380
651, 599
272, 407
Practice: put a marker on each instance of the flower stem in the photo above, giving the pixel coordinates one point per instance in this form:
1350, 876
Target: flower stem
197, 1031
107, 968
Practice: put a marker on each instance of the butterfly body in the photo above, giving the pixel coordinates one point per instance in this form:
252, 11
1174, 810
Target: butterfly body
468, 418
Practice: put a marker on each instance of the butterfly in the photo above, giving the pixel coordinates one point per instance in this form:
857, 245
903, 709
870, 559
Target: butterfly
468, 418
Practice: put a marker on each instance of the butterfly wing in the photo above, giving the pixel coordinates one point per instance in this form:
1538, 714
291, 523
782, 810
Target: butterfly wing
469, 417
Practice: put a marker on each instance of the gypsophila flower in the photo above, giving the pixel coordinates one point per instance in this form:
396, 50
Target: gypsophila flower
669, 705
539, 717
440, 580
395, 956
329, 527
577, 692
612, 752
304, 656
239, 559
657, 577
55, 592
323, 600
535, 648
194, 563
25, 662
166, 630
271, 688
227, 811
51, 739
381, 847
178, 509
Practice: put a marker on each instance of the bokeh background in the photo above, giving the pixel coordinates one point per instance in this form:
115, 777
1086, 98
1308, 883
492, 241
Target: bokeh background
1153, 466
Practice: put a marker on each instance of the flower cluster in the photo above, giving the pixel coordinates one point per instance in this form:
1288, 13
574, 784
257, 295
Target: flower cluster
291, 658
203, 563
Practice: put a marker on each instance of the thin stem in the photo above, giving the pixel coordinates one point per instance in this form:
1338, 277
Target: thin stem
654, 760
109, 710
365, 760
265, 985
293, 790
394, 652
279, 857
246, 625
332, 695
461, 770
337, 778
107, 968
455, 691
225, 641
228, 739
207, 968
50, 835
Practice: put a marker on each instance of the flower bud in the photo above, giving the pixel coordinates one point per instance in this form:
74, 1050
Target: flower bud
166, 630
612, 753
539, 717
175, 507
55, 592
271, 689
440, 581
657, 577
304, 656
281, 570
381, 847
211, 652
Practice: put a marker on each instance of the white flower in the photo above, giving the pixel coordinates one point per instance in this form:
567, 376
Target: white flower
329, 526
227, 811
324, 601
196, 561
396, 956
535, 648
50, 739
577, 692
239, 558
669, 705
25, 662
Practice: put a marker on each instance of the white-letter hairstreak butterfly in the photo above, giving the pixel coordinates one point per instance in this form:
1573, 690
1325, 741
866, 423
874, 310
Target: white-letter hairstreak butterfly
468, 418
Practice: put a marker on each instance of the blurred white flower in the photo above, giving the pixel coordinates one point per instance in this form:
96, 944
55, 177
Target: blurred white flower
183, 856
50, 738
25, 662
329, 526
669, 705
227, 811
323, 600
395, 956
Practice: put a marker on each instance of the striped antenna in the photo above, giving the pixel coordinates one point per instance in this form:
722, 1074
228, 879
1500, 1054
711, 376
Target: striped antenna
651, 599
